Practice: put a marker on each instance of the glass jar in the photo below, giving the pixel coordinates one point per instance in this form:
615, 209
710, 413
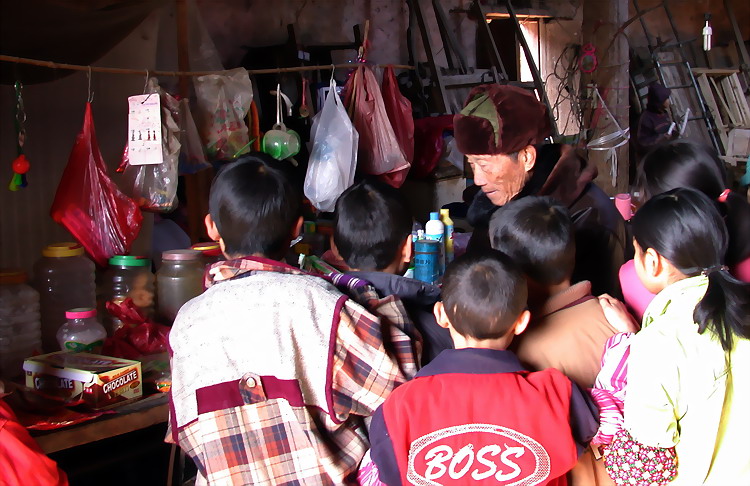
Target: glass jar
64, 277
127, 277
20, 329
82, 332
179, 279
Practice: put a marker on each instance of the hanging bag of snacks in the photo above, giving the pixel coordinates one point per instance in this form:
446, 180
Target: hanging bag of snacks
103, 219
151, 155
333, 159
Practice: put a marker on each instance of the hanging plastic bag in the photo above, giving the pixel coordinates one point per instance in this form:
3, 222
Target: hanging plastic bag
103, 219
333, 158
379, 152
223, 102
399, 113
192, 156
428, 134
154, 186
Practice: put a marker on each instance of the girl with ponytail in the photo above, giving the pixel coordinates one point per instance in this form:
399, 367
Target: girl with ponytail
694, 166
688, 370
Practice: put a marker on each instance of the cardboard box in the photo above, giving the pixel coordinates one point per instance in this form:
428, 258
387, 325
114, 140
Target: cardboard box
93, 380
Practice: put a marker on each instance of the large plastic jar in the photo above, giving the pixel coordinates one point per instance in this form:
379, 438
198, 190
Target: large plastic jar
82, 332
20, 330
128, 276
179, 279
65, 278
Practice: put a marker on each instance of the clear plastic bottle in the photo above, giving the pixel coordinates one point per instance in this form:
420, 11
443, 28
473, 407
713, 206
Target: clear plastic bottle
64, 277
445, 217
82, 332
179, 279
20, 330
128, 276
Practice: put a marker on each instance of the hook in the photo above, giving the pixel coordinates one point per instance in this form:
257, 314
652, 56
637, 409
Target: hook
333, 69
90, 98
145, 85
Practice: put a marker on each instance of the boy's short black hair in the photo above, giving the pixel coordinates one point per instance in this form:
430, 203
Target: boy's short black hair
372, 221
254, 206
537, 233
483, 294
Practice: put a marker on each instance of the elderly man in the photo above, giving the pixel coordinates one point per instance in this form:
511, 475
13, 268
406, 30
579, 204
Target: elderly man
501, 130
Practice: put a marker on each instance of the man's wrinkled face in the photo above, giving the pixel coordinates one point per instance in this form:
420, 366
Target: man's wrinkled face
501, 177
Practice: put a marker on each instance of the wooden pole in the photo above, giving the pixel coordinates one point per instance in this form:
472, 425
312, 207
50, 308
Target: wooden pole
601, 28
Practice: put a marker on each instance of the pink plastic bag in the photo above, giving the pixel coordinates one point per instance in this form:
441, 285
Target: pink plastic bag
103, 219
379, 151
399, 113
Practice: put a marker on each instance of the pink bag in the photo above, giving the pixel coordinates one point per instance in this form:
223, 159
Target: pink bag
379, 152
399, 113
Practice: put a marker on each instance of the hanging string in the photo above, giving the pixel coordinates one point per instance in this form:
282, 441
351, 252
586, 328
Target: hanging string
141, 72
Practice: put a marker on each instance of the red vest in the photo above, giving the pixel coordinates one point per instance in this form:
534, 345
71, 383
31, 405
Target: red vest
508, 428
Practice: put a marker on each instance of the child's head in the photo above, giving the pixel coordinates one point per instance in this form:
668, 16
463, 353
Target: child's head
680, 234
695, 166
253, 208
372, 227
537, 234
484, 300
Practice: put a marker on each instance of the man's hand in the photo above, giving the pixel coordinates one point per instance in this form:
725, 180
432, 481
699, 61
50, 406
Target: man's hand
617, 314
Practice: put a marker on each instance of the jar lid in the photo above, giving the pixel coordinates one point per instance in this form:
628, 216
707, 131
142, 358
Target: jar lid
130, 261
10, 276
61, 250
208, 246
80, 313
179, 255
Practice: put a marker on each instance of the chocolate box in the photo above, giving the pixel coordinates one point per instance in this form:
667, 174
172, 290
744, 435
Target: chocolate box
96, 381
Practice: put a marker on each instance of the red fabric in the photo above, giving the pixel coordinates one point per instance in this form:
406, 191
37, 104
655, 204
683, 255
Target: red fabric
22, 462
103, 219
428, 144
515, 459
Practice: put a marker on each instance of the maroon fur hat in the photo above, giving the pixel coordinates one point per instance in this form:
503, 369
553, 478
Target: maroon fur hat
500, 119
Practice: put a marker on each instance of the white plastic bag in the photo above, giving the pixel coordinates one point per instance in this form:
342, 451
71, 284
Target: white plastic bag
333, 158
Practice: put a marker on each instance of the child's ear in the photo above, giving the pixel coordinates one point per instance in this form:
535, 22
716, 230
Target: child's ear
211, 229
522, 322
440, 316
298, 228
407, 250
335, 249
652, 263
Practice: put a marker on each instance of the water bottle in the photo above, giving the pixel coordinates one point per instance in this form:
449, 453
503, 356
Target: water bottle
64, 277
82, 332
20, 330
435, 230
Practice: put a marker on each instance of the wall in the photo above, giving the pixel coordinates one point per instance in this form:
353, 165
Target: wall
54, 117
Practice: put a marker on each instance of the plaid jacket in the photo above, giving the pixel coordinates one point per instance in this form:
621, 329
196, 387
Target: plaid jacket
284, 409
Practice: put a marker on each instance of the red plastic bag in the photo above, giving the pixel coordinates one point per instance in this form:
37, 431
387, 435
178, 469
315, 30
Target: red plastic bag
428, 135
103, 219
379, 151
138, 336
399, 113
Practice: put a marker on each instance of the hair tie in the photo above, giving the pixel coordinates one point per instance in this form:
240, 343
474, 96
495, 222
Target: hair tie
716, 268
723, 196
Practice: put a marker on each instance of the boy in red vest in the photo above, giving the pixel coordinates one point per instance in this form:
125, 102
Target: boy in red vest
474, 414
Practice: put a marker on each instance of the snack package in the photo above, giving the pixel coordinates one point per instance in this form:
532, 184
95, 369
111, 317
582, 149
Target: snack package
93, 380
89, 204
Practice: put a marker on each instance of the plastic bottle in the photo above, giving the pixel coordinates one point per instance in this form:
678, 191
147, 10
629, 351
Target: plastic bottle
65, 278
426, 261
416, 227
20, 330
179, 279
127, 277
445, 217
435, 230
82, 332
